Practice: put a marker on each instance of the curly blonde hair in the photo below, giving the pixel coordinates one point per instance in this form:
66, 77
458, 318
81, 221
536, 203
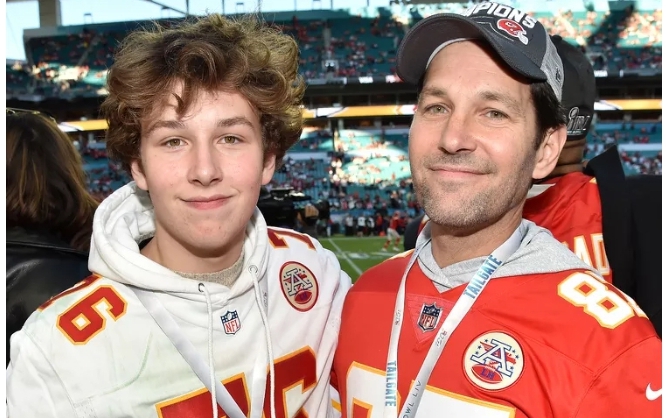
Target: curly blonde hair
206, 54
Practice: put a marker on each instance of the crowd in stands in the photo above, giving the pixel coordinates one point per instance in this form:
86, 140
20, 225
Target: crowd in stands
54, 80
104, 175
356, 186
341, 47
643, 161
610, 42
365, 48
364, 173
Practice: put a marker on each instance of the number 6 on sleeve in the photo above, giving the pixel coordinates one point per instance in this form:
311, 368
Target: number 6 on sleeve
83, 320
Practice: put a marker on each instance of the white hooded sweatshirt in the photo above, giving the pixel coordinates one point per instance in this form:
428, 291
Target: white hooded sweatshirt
96, 351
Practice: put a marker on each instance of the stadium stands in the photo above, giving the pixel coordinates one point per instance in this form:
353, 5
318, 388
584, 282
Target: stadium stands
352, 43
369, 168
359, 171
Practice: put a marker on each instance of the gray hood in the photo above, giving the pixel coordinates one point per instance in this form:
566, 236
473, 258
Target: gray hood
539, 253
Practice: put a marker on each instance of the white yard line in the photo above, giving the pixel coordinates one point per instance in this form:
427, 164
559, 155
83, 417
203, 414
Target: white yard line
344, 257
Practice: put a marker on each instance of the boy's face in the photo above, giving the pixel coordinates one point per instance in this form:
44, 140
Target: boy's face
203, 172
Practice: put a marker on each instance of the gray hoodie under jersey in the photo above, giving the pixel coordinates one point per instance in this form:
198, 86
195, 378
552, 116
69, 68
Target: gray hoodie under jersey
539, 252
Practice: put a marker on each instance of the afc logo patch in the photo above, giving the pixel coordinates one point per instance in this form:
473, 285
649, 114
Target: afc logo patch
493, 361
231, 322
299, 286
514, 29
429, 317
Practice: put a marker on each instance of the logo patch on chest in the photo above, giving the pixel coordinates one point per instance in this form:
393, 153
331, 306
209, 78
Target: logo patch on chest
299, 286
429, 317
231, 322
427, 314
493, 361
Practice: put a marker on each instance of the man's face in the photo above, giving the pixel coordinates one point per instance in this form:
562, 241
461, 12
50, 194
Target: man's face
203, 171
471, 144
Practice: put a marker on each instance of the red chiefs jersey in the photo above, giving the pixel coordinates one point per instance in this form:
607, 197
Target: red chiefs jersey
535, 345
394, 223
571, 210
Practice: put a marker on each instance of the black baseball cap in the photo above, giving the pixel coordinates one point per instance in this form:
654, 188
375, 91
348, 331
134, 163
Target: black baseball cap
579, 91
518, 38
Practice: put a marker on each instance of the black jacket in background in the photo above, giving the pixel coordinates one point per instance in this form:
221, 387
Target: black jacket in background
631, 221
39, 266
645, 195
412, 232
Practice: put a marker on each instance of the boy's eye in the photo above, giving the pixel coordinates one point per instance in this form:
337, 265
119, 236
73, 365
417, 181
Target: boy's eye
230, 139
173, 142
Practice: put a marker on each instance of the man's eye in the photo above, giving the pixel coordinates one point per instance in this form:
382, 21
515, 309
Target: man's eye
495, 114
435, 109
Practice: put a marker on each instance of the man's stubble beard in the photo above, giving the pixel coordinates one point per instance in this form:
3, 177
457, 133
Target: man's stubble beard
474, 210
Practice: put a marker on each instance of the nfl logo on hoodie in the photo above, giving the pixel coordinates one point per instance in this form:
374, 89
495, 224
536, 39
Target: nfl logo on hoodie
230, 322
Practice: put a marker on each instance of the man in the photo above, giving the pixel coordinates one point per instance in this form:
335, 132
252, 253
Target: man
370, 223
392, 235
490, 316
590, 210
570, 202
196, 308
349, 225
361, 225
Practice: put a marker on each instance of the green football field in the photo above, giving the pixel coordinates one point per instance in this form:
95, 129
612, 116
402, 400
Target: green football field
356, 255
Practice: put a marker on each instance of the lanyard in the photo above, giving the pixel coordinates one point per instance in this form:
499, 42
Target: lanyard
190, 354
460, 309
187, 350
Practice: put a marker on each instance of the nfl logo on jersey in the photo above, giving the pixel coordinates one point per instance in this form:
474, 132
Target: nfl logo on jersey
429, 317
230, 322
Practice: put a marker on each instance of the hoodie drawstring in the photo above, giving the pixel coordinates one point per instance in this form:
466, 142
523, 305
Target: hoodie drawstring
209, 305
264, 318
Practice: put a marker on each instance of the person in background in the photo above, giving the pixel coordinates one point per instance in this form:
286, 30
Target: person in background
623, 245
392, 235
361, 222
49, 215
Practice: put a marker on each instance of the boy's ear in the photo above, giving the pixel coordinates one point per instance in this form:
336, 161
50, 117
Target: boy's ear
138, 176
269, 169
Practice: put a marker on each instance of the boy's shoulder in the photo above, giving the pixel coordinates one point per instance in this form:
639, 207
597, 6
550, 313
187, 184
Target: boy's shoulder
80, 313
293, 252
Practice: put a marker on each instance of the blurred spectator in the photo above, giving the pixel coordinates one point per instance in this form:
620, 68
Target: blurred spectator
49, 215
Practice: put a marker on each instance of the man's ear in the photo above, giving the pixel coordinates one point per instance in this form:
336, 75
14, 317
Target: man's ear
549, 152
269, 169
137, 174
